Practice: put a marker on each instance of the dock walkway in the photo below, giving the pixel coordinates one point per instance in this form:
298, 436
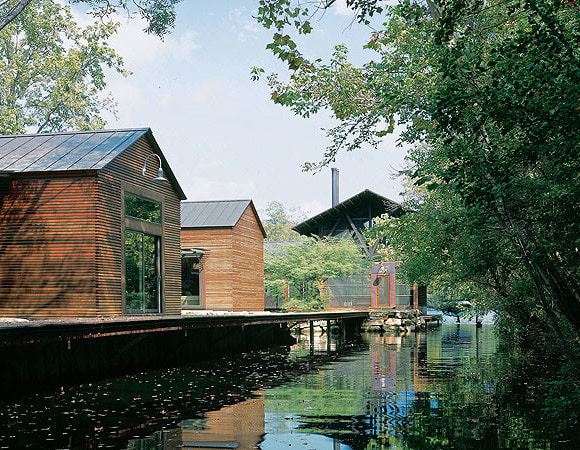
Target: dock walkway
66, 329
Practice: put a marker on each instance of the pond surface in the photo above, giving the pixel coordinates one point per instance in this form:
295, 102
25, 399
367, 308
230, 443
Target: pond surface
425, 390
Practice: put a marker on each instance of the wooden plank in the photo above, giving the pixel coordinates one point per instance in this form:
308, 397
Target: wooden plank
218, 264
362, 241
47, 246
124, 173
248, 247
47, 330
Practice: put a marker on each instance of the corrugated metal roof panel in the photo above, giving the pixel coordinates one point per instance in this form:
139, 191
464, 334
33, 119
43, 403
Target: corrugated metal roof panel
9, 145
6, 141
47, 154
210, 214
77, 150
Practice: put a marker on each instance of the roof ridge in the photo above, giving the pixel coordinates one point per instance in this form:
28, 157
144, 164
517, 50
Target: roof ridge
345, 204
57, 133
217, 201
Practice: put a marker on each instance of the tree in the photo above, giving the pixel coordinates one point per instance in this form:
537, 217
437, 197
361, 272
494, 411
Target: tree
52, 71
486, 95
159, 14
278, 223
308, 264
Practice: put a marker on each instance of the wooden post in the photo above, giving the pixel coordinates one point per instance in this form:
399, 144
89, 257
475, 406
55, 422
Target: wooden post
328, 336
311, 335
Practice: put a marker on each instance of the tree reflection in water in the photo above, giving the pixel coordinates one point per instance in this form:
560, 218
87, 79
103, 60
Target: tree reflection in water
445, 388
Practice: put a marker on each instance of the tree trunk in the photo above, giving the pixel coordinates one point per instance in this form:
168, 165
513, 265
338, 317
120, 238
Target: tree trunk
13, 13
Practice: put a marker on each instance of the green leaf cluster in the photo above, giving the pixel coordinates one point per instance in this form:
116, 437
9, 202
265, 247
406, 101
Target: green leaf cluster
158, 14
486, 95
308, 264
278, 222
52, 71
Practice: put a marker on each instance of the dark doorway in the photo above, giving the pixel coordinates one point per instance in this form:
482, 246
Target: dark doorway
191, 281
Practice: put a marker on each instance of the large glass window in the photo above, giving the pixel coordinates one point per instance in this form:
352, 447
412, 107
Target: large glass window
142, 269
142, 209
190, 284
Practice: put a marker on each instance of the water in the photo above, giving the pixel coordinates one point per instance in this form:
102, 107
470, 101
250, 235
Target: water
426, 390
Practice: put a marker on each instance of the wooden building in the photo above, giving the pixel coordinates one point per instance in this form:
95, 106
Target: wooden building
89, 225
380, 285
350, 218
223, 256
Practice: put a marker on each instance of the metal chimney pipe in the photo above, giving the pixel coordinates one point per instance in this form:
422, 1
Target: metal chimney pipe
335, 197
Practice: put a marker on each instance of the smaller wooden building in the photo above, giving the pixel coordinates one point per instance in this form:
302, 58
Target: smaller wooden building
222, 244
350, 218
380, 285
89, 225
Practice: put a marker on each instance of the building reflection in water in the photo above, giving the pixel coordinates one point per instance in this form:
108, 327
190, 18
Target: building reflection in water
239, 426
365, 399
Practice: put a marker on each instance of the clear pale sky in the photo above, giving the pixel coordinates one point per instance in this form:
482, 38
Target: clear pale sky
221, 133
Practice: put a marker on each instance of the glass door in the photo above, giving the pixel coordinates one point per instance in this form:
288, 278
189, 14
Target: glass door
142, 273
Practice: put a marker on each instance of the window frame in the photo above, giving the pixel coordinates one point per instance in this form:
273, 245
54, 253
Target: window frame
157, 243
129, 223
200, 274
136, 220
202, 255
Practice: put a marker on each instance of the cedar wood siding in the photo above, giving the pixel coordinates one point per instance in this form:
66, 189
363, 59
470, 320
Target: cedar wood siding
249, 263
124, 174
47, 245
218, 267
233, 268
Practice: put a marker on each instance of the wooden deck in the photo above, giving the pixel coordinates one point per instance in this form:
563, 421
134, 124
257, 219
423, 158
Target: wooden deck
67, 329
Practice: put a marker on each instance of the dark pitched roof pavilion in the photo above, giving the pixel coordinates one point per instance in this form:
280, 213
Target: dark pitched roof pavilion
365, 204
216, 213
73, 151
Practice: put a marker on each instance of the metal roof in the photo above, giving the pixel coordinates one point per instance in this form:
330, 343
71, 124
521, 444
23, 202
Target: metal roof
72, 150
78, 150
356, 206
215, 213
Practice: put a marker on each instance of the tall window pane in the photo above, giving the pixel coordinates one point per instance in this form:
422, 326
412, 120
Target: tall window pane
151, 282
141, 272
133, 271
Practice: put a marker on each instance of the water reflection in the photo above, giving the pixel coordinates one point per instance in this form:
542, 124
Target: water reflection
372, 399
424, 390
236, 426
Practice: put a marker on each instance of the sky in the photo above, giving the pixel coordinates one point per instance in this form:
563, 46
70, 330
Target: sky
222, 135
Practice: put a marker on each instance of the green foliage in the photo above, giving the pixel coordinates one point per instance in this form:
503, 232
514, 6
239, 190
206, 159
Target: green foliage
309, 302
308, 264
52, 72
275, 288
449, 247
159, 14
278, 223
486, 94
